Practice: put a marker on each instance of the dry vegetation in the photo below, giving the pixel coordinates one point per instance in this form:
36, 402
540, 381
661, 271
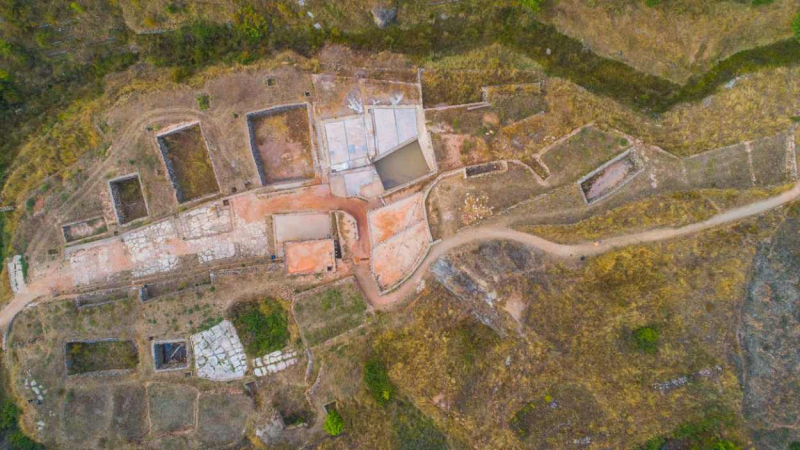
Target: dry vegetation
574, 350
671, 210
675, 39
668, 210
188, 153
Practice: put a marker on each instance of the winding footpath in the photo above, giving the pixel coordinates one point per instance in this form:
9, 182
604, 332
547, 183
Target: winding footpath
573, 251
495, 232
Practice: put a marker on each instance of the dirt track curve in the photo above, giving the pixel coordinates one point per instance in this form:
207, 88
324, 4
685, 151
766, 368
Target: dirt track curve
500, 231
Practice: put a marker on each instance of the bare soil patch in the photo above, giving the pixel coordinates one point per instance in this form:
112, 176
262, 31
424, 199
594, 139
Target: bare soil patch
172, 407
456, 202
129, 419
222, 418
85, 415
281, 143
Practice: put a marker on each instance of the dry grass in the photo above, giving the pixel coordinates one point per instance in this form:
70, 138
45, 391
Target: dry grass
764, 98
151, 15
573, 349
676, 39
669, 210
188, 153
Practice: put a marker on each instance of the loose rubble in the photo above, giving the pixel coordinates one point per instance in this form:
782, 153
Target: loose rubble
274, 362
38, 390
16, 275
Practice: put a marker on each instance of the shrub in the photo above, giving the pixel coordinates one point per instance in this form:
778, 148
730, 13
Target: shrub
203, 101
263, 326
377, 380
334, 424
653, 444
251, 24
645, 339
794, 445
9, 413
19, 441
533, 5
796, 27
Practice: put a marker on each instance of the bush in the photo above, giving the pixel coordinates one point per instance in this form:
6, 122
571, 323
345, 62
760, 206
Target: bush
19, 441
724, 444
796, 27
9, 413
203, 102
533, 5
645, 339
251, 24
377, 380
794, 445
334, 424
263, 326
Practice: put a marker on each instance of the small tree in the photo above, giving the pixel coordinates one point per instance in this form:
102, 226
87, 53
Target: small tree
794, 445
377, 380
334, 424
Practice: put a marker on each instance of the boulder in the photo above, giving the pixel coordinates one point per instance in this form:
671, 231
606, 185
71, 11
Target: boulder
384, 15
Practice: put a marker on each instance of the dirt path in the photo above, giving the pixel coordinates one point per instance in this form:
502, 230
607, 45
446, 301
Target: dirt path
470, 235
491, 232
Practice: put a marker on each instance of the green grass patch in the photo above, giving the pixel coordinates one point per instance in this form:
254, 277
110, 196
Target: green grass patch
413, 430
329, 313
263, 326
645, 339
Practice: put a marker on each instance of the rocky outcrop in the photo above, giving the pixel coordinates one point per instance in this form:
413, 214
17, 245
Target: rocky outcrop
477, 278
770, 336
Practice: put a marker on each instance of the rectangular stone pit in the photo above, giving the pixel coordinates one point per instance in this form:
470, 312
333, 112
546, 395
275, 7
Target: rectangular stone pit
280, 140
84, 229
611, 176
170, 355
97, 356
402, 166
184, 151
127, 198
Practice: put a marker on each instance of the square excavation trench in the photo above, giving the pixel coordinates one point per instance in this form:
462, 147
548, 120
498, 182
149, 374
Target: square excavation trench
170, 355
280, 140
402, 166
188, 162
127, 198
100, 356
